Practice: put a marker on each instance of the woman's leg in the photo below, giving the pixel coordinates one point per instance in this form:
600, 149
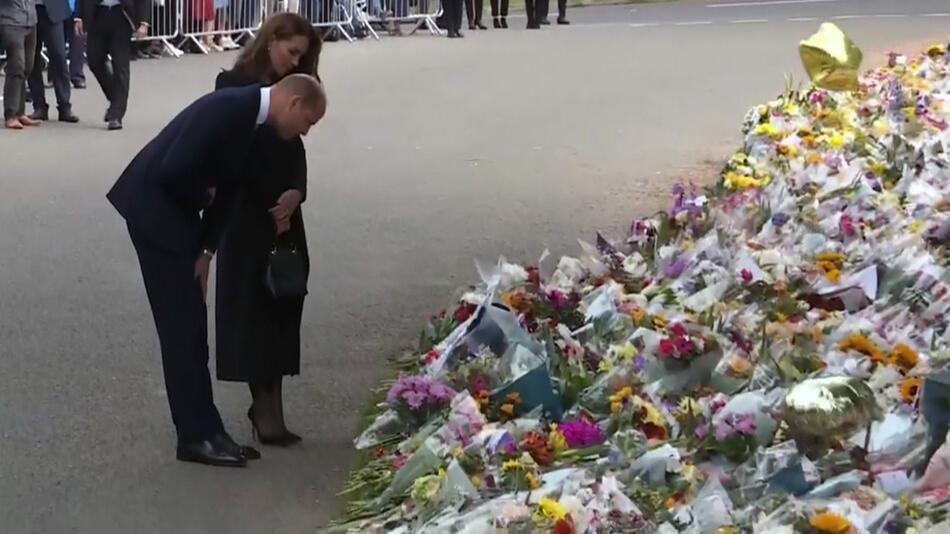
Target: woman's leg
279, 400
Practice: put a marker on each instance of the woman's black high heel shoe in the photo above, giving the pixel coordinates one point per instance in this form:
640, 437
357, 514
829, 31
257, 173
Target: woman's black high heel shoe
281, 440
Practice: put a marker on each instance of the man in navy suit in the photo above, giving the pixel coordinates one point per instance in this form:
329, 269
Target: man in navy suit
175, 195
50, 15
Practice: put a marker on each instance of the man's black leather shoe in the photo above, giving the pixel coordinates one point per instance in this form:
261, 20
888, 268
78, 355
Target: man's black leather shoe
210, 453
224, 441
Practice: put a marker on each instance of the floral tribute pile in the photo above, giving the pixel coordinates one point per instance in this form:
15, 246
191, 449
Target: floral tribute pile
766, 356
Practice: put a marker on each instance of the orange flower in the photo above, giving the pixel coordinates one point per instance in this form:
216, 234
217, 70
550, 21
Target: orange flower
507, 410
903, 356
909, 388
564, 526
518, 301
637, 315
829, 523
860, 343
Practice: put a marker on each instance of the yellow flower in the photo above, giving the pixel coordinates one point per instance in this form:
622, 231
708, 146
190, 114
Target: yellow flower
734, 180
829, 523
659, 321
909, 388
532, 480
551, 510
637, 315
936, 50
511, 465
768, 129
780, 317
834, 276
788, 150
626, 352
860, 343
915, 227
834, 257
556, 440
476, 481
689, 406
615, 407
903, 356
836, 140
813, 158
878, 168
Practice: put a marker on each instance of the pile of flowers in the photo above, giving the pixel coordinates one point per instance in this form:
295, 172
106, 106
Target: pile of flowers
751, 360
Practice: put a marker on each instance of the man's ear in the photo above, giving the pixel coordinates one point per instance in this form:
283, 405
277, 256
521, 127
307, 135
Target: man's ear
294, 102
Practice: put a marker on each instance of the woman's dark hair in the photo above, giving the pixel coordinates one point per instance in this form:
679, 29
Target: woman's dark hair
255, 60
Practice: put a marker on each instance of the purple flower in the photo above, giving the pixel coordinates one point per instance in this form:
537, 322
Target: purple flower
702, 431
744, 423
779, 220
581, 433
558, 299
724, 431
414, 399
639, 362
675, 269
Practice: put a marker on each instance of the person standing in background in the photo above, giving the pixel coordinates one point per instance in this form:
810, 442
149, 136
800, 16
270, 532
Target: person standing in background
473, 11
499, 18
531, 10
544, 7
453, 18
110, 28
50, 15
18, 38
77, 49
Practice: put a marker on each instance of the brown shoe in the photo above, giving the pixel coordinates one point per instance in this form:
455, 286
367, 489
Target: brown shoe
27, 121
14, 124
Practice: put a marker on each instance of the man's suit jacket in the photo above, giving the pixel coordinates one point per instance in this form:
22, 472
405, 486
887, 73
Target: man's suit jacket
137, 11
163, 193
57, 10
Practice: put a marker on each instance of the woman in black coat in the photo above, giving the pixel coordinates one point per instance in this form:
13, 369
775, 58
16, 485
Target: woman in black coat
258, 336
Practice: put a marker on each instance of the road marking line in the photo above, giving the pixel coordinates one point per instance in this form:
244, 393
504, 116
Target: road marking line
848, 17
749, 21
695, 23
936, 15
644, 24
802, 19
769, 3
889, 16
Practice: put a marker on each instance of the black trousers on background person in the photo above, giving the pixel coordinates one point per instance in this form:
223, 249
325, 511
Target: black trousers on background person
495, 13
77, 54
453, 17
110, 34
531, 11
52, 35
181, 319
473, 11
544, 6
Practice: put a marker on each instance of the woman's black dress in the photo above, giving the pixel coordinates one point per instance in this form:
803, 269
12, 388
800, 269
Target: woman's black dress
258, 337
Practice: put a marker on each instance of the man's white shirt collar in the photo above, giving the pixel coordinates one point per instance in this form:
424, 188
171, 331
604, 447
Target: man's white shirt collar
265, 106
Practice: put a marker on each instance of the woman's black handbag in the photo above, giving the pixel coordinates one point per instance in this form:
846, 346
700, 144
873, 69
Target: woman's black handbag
286, 273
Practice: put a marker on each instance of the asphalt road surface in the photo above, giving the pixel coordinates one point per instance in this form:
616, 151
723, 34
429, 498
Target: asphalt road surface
433, 152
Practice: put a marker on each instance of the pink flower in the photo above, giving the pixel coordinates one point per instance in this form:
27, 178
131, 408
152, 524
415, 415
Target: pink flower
746, 276
744, 423
846, 225
581, 433
667, 348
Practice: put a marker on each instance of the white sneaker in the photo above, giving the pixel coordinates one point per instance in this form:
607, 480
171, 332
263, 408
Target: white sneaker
228, 43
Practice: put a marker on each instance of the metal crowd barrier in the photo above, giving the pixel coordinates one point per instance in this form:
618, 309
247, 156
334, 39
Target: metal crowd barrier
201, 21
393, 13
165, 25
335, 15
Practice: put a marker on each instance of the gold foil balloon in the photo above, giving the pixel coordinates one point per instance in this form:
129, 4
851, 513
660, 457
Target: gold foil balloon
820, 411
831, 59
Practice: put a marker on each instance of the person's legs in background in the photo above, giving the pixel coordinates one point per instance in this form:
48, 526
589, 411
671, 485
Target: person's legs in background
53, 37
77, 54
473, 11
19, 43
562, 12
499, 18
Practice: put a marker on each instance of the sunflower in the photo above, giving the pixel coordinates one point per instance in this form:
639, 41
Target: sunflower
903, 356
829, 523
860, 343
909, 388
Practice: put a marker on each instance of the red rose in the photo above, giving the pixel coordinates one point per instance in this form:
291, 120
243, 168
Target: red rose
667, 348
463, 312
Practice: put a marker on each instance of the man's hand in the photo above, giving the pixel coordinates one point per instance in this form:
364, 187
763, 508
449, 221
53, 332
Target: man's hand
286, 205
78, 28
282, 226
202, 268
142, 31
